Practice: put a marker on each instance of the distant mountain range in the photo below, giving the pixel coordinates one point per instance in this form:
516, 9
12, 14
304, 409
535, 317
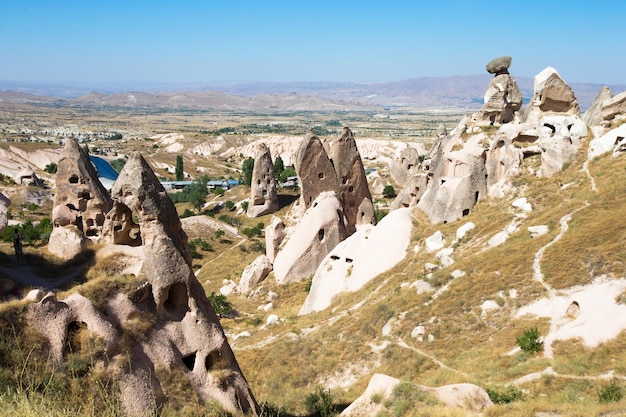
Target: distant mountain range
456, 92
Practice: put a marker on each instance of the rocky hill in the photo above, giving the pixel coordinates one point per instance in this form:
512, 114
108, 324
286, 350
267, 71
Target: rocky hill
496, 284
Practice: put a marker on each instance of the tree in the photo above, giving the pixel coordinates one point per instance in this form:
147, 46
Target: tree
51, 168
246, 168
179, 168
389, 191
279, 166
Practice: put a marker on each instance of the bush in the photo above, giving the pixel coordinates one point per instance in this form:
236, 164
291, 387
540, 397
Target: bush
244, 205
51, 168
508, 395
220, 304
610, 393
389, 191
404, 397
529, 341
320, 403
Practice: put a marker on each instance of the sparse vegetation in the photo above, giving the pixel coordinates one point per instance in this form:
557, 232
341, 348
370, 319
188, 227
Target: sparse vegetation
529, 341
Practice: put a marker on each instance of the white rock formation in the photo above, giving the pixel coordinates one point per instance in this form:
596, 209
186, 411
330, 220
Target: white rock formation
608, 142
254, 273
360, 258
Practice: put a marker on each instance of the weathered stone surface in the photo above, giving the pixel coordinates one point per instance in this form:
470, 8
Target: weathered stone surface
4, 210
120, 228
405, 165
499, 65
502, 100
559, 139
551, 95
411, 194
66, 242
613, 107
316, 173
319, 230
611, 141
254, 273
274, 235
354, 192
183, 331
263, 194
80, 199
441, 131
592, 116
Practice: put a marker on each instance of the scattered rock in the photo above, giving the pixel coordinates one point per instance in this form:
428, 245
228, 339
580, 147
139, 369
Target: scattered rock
434, 242
536, 231
462, 231
254, 273
271, 319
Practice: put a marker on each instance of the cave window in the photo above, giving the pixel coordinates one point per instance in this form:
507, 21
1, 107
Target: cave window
466, 212
476, 195
89, 222
409, 166
350, 189
258, 182
344, 180
442, 182
321, 175
618, 140
74, 179
349, 260
85, 195
320, 234
189, 361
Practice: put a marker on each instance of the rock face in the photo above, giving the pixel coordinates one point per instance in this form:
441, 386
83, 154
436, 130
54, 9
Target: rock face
551, 95
592, 116
183, 333
316, 173
80, 199
263, 194
354, 192
614, 107
319, 230
4, 210
405, 165
274, 235
503, 97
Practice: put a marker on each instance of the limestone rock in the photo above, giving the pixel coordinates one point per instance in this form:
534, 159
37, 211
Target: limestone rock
316, 173
66, 242
254, 273
78, 189
592, 116
319, 230
435, 242
499, 65
462, 231
274, 235
263, 193
610, 141
613, 107
354, 192
411, 194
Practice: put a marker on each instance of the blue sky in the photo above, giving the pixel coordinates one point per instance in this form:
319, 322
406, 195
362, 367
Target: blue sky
300, 40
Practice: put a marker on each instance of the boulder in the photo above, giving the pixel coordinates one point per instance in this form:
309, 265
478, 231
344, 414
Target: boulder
536, 231
354, 192
499, 65
263, 192
435, 242
254, 273
274, 235
67, 242
319, 230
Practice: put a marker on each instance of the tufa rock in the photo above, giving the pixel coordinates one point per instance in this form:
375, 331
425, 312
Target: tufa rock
4, 211
182, 332
405, 164
263, 194
319, 230
499, 65
80, 198
354, 192
592, 116
613, 107
254, 273
67, 242
316, 173
551, 95
274, 235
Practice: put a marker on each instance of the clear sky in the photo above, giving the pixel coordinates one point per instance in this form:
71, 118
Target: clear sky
300, 40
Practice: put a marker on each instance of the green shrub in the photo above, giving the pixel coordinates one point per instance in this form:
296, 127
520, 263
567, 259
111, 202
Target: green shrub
508, 395
220, 304
404, 397
320, 403
610, 393
51, 168
389, 191
529, 341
